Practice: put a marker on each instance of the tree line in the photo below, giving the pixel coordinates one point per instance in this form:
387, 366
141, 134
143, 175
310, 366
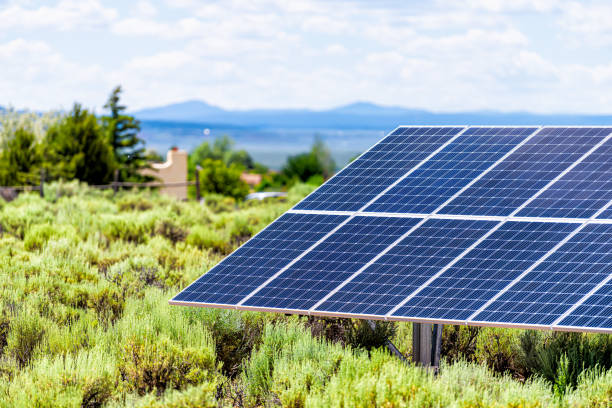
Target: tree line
77, 145
80, 145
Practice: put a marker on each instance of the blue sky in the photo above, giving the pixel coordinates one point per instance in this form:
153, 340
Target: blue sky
538, 55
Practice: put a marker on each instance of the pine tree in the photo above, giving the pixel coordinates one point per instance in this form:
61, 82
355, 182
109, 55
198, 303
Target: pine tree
122, 131
77, 148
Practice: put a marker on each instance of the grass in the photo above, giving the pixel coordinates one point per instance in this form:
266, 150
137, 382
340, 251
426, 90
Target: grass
84, 322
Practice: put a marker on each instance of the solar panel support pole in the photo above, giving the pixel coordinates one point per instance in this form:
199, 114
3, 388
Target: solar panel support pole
389, 345
436, 345
426, 344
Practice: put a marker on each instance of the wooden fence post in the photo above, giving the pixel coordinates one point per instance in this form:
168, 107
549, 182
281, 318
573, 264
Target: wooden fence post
116, 181
41, 189
197, 183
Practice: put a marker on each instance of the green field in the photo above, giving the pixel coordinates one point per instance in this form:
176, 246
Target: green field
84, 322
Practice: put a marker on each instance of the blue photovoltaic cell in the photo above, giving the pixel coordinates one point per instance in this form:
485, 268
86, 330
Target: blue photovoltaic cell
596, 311
408, 265
378, 168
333, 261
581, 192
257, 260
556, 284
485, 270
526, 171
477, 149
607, 214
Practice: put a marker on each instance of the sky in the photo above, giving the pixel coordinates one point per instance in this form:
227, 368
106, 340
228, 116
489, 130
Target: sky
522, 55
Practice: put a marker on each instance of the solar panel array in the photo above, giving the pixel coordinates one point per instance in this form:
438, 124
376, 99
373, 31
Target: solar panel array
500, 226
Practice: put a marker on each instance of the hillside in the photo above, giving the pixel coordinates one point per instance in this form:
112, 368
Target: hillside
360, 115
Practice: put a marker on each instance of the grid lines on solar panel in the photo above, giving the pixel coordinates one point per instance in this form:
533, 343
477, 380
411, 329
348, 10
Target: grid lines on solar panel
378, 168
333, 261
407, 266
596, 311
560, 281
485, 270
258, 259
526, 171
581, 192
450, 170
605, 215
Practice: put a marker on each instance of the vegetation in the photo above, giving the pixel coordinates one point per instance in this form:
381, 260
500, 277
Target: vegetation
312, 167
21, 159
75, 145
84, 322
121, 130
217, 177
77, 149
221, 149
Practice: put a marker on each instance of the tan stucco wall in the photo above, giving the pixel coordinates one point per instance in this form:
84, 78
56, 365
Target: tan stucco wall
174, 170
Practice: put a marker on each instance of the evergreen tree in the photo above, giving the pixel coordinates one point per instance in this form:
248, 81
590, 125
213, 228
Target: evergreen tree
20, 160
122, 131
77, 148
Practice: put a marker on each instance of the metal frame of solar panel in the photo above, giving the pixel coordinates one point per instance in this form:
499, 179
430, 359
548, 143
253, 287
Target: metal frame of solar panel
506, 226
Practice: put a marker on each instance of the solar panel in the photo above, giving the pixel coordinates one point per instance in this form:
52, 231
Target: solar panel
550, 289
485, 270
407, 266
260, 258
595, 312
332, 262
502, 226
581, 192
378, 168
450, 170
525, 172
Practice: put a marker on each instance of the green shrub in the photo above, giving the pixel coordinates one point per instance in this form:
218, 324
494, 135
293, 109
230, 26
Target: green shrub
25, 333
85, 379
37, 235
218, 203
197, 396
170, 230
61, 188
207, 238
356, 333
108, 304
594, 389
134, 202
128, 227
154, 367
561, 357
96, 392
459, 343
235, 334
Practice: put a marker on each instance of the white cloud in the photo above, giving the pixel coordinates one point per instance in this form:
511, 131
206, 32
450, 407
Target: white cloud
65, 15
591, 22
271, 53
34, 75
146, 8
336, 49
136, 26
500, 6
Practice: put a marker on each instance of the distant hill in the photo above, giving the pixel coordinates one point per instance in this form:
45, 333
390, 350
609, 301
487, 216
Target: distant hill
180, 112
359, 115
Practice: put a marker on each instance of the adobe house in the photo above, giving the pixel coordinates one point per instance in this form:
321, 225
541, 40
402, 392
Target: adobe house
173, 170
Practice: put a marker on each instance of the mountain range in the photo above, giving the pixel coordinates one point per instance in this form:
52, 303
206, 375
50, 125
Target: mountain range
359, 115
